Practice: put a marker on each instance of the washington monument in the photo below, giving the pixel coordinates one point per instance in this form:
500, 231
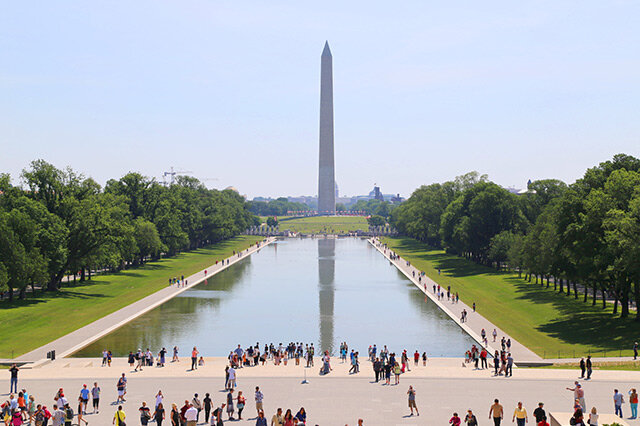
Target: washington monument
326, 169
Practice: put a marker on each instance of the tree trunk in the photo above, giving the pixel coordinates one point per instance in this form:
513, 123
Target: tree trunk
624, 304
636, 293
561, 289
555, 283
568, 287
10, 294
23, 293
595, 295
547, 281
615, 304
82, 274
536, 278
604, 298
586, 292
575, 290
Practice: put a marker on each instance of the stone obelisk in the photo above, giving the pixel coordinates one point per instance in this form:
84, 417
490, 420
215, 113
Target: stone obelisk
326, 170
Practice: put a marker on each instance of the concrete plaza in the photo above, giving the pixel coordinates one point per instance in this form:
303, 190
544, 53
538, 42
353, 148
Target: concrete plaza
443, 386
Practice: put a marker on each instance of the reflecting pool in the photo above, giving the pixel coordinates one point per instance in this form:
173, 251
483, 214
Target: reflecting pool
323, 291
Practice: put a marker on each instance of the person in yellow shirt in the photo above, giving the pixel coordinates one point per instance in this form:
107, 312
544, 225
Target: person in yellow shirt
520, 413
118, 418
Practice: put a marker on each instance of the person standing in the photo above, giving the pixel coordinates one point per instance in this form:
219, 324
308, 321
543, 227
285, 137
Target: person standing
377, 367
195, 402
119, 417
509, 371
593, 417
194, 359
635, 351
240, 404
583, 368
259, 397
412, 400
95, 396
231, 382
57, 418
230, 408
191, 415
633, 403
494, 334
618, 399
520, 413
14, 378
496, 412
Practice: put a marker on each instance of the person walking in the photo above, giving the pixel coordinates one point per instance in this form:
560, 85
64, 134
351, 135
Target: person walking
119, 417
396, 372
207, 407
14, 378
277, 419
145, 414
589, 366
470, 419
635, 351
122, 388
57, 418
509, 371
259, 397
158, 414
520, 413
496, 412
412, 400
95, 397
539, 413
261, 420
175, 415
197, 405
633, 403
618, 400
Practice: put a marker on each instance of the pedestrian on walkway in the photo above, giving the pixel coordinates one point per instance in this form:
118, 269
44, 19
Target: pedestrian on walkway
259, 397
14, 378
261, 420
191, 415
412, 400
589, 367
207, 407
496, 412
95, 397
539, 413
635, 351
520, 413
158, 414
618, 400
495, 334
633, 403
509, 371
194, 359
118, 418
470, 419
230, 408
122, 388
583, 368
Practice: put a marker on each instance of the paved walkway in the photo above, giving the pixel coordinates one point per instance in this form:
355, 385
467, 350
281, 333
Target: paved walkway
442, 387
474, 323
76, 340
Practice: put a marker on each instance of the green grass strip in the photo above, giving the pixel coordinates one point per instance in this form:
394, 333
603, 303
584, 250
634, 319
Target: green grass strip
28, 324
550, 324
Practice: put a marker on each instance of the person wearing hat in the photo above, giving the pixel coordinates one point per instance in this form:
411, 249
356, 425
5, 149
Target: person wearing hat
539, 413
578, 393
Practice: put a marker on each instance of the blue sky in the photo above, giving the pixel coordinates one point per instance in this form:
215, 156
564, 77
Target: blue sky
229, 90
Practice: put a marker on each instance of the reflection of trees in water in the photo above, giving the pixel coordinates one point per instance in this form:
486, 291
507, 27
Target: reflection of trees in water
326, 291
172, 320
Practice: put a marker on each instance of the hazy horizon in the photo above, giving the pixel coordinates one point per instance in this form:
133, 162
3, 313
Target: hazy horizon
230, 91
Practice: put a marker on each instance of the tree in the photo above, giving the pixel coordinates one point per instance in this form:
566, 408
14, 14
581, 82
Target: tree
376, 220
147, 239
271, 221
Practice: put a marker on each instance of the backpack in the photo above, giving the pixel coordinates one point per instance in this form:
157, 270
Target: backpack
69, 413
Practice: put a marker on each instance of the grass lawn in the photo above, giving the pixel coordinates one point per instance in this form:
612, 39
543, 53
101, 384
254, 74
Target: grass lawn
28, 324
552, 325
613, 365
323, 224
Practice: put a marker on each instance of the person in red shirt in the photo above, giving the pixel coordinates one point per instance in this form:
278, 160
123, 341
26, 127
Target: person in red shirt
416, 358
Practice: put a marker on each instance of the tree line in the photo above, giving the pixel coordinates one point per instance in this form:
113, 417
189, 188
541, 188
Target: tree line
278, 207
59, 222
586, 233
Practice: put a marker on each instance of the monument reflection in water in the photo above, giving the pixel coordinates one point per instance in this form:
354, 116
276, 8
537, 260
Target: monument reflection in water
276, 296
326, 291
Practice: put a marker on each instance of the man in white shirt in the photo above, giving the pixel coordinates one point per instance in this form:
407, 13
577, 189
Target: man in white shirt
191, 415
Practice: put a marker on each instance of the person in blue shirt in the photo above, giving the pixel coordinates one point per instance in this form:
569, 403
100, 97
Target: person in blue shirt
84, 396
301, 416
261, 421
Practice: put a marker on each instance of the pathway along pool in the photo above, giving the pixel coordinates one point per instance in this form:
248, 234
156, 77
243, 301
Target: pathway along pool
323, 291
